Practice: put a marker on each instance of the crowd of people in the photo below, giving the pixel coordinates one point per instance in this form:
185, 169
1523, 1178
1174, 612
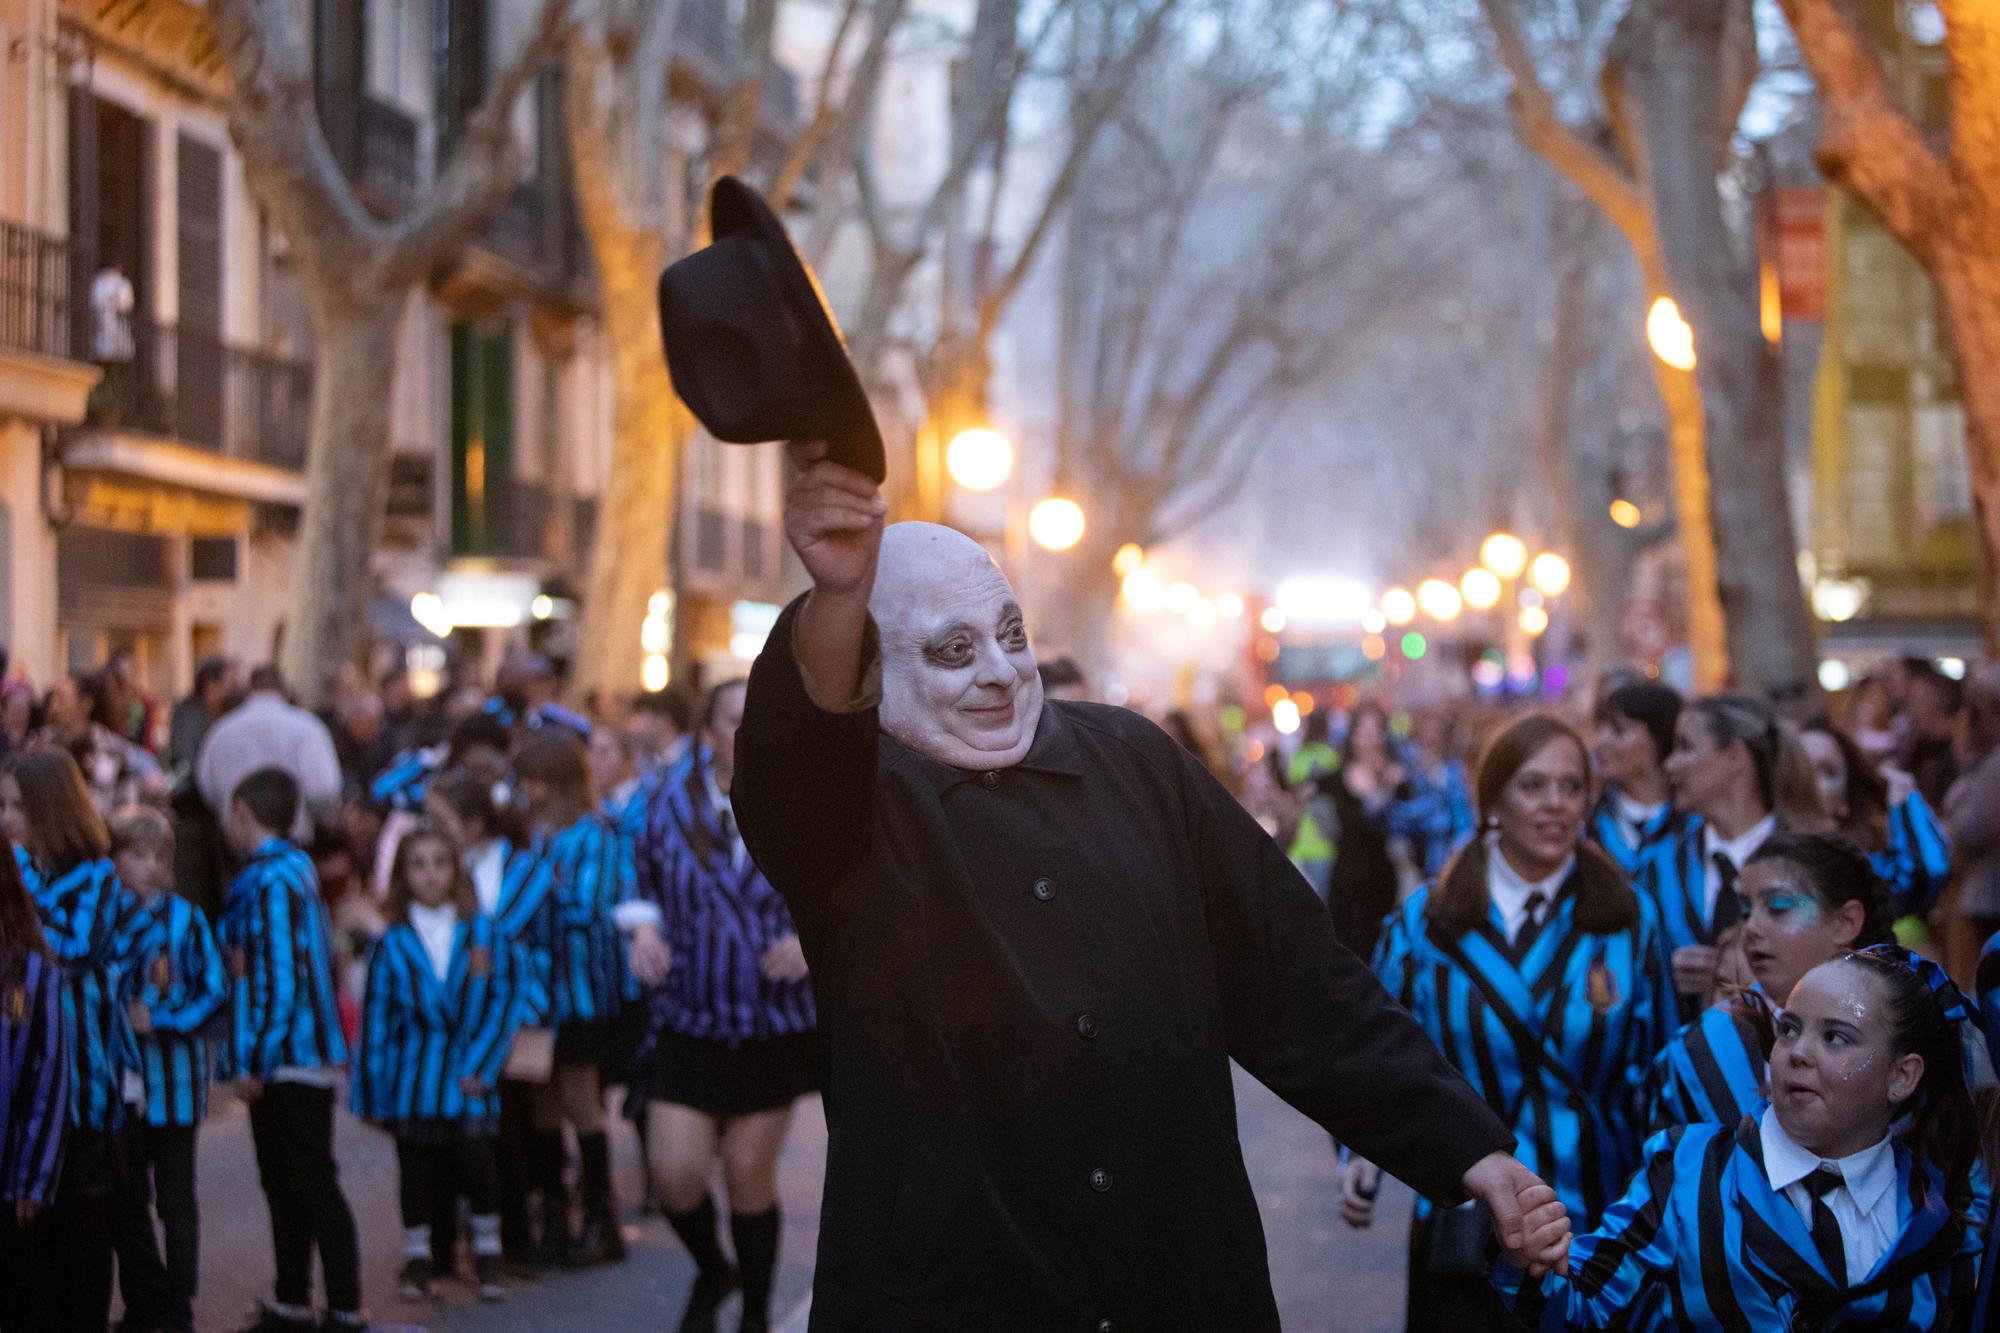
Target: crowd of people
1698, 954
493, 915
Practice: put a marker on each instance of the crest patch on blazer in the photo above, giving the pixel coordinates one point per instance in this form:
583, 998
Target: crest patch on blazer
1602, 988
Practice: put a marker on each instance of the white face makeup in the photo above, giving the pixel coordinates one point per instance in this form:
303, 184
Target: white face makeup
958, 674
1835, 1079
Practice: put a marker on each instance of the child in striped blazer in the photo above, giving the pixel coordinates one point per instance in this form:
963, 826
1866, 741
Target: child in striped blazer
182, 985
34, 1089
285, 1049
1807, 897
1844, 1202
438, 1014
92, 926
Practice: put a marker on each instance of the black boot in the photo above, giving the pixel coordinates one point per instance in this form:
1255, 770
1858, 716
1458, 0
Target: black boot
602, 1241
558, 1245
714, 1278
756, 1237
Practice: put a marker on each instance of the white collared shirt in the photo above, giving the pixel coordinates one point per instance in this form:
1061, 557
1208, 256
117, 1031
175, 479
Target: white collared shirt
1864, 1205
435, 927
1510, 892
718, 801
487, 866
1737, 849
1633, 816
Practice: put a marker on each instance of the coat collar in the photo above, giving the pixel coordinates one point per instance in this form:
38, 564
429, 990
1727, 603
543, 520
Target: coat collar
1055, 750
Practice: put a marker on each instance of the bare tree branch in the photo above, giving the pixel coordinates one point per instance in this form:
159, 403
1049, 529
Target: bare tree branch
1866, 141
828, 141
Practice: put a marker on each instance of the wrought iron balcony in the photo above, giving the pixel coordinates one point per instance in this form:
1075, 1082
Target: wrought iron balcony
192, 387
35, 292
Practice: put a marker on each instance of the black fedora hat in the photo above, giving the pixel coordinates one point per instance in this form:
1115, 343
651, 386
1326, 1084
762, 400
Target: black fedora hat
751, 344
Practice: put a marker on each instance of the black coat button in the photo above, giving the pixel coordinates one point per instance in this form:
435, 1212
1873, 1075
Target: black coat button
1575, 1101
1045, 889
1086, 1026
1100, 1180
989, 780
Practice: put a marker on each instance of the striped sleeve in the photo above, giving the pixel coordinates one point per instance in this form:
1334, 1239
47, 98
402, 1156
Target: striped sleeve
1916, 861
370, 1093
204, 985
1394, 956
80, 918
497, 1013
1989, 996
38, 1119
274, 983
1610, 1269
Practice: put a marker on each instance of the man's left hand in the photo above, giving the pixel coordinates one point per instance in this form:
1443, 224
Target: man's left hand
1528, 1219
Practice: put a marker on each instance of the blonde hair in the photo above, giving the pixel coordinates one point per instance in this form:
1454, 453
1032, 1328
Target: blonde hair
140, 826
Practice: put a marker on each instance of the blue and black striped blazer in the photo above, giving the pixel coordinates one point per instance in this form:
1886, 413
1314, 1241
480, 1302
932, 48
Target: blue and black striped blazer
1435, 816
1601, 1005
718, 915
422, 1035
1915, 861
183, 984
1608, 831
1711, 1073
557, 900
1701, 1241
1673, 873
279, 944
34, 1083
407, 780
94, 927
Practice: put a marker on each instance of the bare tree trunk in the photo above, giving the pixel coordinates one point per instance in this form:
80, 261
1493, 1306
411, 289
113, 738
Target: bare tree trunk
356, 358
1677, 95
1970, 283
649, 428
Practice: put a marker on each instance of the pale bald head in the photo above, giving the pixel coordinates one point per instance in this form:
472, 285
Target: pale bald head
958, 675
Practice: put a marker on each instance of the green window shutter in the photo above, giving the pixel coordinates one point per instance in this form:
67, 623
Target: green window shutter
482, 439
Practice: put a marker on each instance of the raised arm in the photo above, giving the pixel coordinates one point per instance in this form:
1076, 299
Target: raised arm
203, 984
804, 785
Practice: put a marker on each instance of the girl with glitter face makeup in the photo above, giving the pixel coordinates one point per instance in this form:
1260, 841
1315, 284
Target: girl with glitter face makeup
1807, 898
1841, 1203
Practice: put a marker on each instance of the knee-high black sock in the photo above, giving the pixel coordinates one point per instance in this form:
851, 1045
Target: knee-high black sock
696, 1228
756, 1237
545, 1163
595, 1150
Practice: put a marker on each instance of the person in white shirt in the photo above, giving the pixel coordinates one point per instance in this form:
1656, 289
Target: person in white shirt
268, 731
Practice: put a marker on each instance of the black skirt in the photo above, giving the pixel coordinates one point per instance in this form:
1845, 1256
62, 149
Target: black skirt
597, 1044
717, 1079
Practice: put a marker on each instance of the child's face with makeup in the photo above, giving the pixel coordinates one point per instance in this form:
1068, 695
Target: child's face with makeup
1787, 928
1835, 1077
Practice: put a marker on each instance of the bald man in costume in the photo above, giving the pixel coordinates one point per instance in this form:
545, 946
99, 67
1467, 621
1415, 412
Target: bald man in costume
1039, 932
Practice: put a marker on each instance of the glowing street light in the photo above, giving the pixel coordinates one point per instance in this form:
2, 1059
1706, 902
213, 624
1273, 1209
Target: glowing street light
1373, 622
1399, 607
1504, 554
1481, 588
1285, 716
1625, 514
979, 460
1230, 605
1142, 591
1533, 620
1669, 334
1439, 599
1549, 574
1056, 524
1273, 620
1128, 558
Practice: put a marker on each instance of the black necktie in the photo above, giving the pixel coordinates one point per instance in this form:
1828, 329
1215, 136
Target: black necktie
1728, 905
1531, 920
1825, 1227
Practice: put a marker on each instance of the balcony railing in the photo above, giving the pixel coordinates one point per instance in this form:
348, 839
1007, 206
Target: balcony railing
376, 145
191, 386
35, 294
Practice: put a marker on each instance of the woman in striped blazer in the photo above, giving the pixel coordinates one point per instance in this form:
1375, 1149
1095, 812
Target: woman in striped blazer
34, 1098
437, 1016
1807, 898
1539, 972
1741, 775
561, 899
1809, 1213
1631, 736
1885, 813
182, 985
94, 929
729, 1045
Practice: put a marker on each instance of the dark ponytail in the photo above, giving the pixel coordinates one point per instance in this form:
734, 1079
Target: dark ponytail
1925, 1014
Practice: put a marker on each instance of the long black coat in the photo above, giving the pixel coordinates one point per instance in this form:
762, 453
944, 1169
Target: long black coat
1031, 983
